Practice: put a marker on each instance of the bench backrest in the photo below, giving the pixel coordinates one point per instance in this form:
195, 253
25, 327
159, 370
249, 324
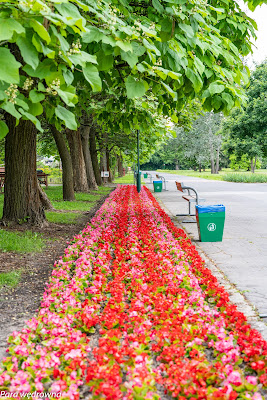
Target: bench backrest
179, 186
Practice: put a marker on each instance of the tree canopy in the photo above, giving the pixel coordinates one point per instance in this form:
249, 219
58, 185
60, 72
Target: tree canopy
54, 55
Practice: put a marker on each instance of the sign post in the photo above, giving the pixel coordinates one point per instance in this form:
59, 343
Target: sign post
105, 175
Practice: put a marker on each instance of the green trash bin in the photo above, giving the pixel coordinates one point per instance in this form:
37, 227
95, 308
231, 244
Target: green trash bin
210, 222
145, 175
157, 186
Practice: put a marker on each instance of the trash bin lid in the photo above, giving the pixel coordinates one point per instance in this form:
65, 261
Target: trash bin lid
157, 181
212, 208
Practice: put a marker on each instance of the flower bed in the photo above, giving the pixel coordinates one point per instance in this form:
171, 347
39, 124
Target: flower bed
131, 312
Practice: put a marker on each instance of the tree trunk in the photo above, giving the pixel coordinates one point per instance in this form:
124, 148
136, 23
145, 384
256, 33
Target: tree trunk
78, 165
212, 164
44, 199
93, 152
177, 166
108, 166
67, 172
217, 160
199, 167
253, 164
103, 159
120, 165
22, 201
85, 129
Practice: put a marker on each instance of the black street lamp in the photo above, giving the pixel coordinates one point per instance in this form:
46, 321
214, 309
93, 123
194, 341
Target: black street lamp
138, 177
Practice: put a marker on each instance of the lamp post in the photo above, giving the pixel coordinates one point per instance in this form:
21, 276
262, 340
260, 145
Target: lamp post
138, 177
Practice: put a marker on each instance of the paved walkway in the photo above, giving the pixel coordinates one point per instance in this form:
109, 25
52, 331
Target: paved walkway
242, 255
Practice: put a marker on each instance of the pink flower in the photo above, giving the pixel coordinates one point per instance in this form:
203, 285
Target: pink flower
257, 396
73, 354
133, 314
235, 378
252, 379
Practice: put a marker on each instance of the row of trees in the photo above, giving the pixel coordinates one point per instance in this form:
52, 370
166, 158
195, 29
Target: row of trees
239, 140
81, 69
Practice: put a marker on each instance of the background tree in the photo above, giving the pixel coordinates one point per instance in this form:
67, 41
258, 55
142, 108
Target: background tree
199, 146
247, 127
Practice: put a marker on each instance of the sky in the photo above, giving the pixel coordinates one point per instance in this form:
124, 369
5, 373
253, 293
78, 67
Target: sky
260, 51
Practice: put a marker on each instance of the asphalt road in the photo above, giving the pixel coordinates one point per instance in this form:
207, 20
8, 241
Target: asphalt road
242, 255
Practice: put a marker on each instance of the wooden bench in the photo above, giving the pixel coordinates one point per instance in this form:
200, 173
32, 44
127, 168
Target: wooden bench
41, 176
149, 176
163, 181
190, 195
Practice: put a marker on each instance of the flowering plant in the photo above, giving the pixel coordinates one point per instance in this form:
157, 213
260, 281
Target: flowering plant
131, 312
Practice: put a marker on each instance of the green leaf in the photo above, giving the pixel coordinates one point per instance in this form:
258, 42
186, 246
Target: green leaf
135, 88
35, 109
174, 75
158, 6
69, 98
199, 65
22, 103
72, 14
125, 46
28, 52
92, 34
169, 90
67, 117
9, 66
8, 26
229, 100
11, 109
215, 88
187, 29
92, 76
82, 58
44, 69
35, 96
31, 118
40, 30
149, 45
130, 58
105, 62
194, 78
174, 118
3, 129
64, 45
68, 76
138, 49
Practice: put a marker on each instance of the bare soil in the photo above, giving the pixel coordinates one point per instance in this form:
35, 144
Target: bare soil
19, 304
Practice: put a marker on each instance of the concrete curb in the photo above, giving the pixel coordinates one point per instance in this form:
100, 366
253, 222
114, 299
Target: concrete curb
236, 297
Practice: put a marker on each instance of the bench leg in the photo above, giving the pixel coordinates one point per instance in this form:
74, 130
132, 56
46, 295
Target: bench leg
188, 221
187, 215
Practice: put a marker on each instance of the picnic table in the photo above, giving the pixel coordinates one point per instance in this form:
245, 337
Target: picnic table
41, 176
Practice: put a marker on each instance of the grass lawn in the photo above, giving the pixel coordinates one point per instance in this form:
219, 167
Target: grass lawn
127, 179
227, 174
62, 218
21, 242
84, 202
10, 279
32, 242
